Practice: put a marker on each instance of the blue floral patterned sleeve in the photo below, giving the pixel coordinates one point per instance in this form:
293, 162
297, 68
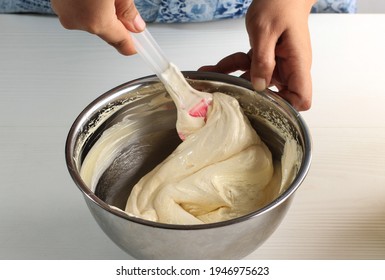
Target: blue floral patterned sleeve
26, 6
332, 6
191, 10
181, 10
206, 10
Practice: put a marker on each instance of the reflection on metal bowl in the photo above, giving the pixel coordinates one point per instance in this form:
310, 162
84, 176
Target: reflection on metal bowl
156, 137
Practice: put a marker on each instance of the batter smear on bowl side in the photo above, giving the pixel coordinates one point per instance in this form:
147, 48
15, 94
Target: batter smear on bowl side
222, 169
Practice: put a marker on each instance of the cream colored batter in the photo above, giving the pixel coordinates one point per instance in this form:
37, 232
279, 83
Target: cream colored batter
222, 170
216, 174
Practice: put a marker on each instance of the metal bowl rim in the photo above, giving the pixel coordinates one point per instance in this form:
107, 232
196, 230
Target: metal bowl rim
232, 80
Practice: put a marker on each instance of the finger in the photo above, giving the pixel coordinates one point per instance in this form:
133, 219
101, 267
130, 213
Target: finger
296, 88
262, 65
128, 14
119, 37
297, 100
128, 19
231, 63
299, 90
293, 71
262, 58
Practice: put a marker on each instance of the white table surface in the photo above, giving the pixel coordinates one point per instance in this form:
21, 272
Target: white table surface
48, 75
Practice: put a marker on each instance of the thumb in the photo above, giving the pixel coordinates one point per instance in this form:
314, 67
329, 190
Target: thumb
128, 14
262, 60
127, 19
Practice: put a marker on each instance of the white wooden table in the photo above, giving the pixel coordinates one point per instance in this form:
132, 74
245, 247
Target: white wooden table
48, 75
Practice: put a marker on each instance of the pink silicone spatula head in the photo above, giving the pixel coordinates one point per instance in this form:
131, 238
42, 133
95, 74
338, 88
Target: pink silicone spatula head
190, 102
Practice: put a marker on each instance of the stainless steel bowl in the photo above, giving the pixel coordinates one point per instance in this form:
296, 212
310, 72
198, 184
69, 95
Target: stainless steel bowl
273, 119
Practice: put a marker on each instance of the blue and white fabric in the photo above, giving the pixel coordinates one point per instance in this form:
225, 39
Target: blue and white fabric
333, 6
26, 6
168, 11
191, 10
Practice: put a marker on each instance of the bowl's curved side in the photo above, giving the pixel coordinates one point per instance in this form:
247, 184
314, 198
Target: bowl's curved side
234, 241
146, 240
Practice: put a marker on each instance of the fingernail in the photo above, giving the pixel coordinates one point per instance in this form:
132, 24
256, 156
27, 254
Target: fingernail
139, 23
259, 84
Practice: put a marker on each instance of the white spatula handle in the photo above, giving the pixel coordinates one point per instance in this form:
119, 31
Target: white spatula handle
150, 52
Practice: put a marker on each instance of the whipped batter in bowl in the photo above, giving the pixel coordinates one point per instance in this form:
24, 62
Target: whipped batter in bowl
128, 132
